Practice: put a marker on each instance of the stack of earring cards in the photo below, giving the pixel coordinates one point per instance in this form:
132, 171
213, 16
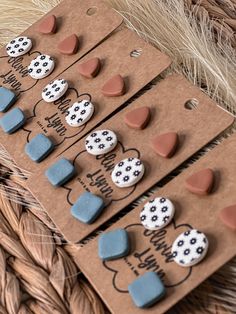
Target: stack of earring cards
69, 118
197, 240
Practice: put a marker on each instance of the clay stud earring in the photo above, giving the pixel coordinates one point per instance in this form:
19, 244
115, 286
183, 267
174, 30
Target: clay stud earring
228, 216
143, 297
189, 248
200, 183
19, 46
48, 25
41, 67
114, 87
100, 142
79, 113
55, 90
138, 118
69, 45
128, 172
157, 213
113, 244
165, 144
90, 68
12, 120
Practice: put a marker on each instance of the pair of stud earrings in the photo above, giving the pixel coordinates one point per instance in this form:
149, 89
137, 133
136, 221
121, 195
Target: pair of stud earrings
190, 247
127, 172
48, 26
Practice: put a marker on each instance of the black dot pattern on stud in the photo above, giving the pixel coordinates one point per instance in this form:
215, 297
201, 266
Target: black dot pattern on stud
51, 93
154, 208
101, 142
128, 177
41, 67
18, 46
82, 111
189, 248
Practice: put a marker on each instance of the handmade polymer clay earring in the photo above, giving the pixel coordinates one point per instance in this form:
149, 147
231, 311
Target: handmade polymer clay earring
69, 45
12, 120
8, 98
54, 90
114, 87
138, 118
87, 208
48, 25
100, 142
39, 147
19, 46
228, 216
90, 68
147, 290
60, 172
190, 248
113, 244
128, 172
79, 113
165, 145
41, 67
201, 182
157, 213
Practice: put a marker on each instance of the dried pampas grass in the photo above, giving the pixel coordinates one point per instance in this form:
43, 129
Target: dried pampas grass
207, 60
40, 275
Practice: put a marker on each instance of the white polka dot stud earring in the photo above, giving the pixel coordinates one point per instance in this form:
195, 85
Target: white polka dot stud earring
18, 46
190, 248
41, 67
54, 90
100, 142
79, 113
128, 172
157, 213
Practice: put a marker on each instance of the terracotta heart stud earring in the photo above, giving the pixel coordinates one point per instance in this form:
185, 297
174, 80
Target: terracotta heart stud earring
166, 144
138, 118
48, 25
228, 216
69, 45
114, 87
201, 182
90, 68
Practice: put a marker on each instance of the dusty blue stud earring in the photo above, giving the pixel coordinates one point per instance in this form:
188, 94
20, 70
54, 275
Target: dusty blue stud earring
113, 244
12, 120
146, 290
87, 207
7, 99
39, 147
60, 172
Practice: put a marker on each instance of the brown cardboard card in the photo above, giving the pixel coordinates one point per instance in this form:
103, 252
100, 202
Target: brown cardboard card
49, 118
151, 250
166, 101
73, 17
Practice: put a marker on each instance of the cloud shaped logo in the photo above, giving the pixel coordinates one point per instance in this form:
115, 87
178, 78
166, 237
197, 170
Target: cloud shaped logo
14, 73
49, 118
150, 251
96, 176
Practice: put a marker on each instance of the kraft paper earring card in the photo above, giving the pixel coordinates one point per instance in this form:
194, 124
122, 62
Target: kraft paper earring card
72, 16
151, 250
94, 173
72, 105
